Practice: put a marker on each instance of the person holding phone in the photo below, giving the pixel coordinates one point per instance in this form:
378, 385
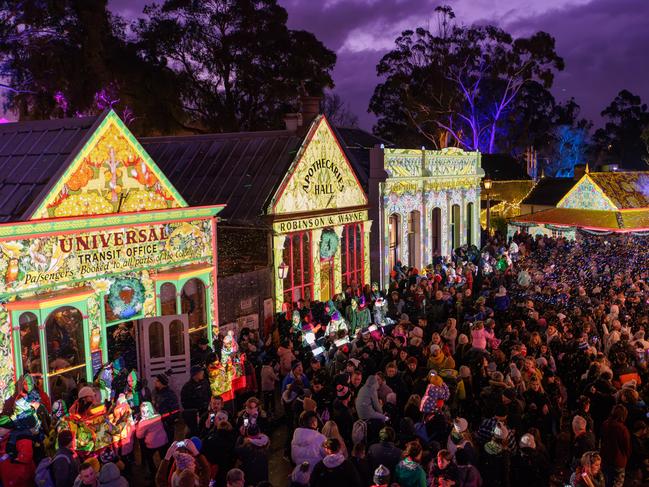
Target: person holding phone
589, 472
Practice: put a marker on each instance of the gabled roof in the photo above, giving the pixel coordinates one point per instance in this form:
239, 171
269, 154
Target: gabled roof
624, 189
240, 169
620, 221
33, 155
548, 191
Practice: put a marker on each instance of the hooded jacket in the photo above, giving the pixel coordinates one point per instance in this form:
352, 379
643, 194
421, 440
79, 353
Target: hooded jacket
306, 446
109, 476
253, 453
334, 470
367, 402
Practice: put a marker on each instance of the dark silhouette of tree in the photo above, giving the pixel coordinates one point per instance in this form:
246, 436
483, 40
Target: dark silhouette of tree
619, 141
240, 67
70, 58
457, 85
338, 112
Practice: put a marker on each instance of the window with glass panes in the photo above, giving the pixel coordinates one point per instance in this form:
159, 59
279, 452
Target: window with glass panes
352, 254
297, 255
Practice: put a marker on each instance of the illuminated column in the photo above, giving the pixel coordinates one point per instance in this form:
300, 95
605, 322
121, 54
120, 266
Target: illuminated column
426, 230
338, 271
316, 235
278, 256
462, 203
476, 217
448, 228
385, 251
366, 251
403, 245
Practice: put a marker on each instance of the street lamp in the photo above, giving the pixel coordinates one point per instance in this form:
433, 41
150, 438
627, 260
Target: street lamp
488, 183
283, 271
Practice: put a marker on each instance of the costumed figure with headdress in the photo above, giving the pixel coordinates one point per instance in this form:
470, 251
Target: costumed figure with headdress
296, 321
336, 321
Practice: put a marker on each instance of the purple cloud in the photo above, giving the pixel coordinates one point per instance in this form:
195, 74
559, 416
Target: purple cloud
603, 42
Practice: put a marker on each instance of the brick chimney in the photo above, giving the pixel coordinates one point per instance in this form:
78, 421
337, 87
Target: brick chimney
309, 109
293, 121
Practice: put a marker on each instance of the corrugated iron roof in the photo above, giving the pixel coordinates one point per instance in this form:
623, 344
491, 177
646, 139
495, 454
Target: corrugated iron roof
548, 191
603, 220
240, 169
33, 155
624, 189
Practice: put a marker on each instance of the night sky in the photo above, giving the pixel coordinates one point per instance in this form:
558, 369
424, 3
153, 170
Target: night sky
605, 43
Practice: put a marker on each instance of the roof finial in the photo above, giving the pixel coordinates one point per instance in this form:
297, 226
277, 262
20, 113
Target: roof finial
587, 168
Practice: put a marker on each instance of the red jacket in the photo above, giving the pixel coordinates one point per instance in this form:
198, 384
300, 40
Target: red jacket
21, 471
616, 444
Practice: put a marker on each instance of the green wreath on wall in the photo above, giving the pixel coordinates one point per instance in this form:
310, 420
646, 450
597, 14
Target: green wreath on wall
328, 244
126, 297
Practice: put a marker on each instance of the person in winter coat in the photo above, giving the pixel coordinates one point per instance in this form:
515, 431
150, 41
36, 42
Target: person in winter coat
252, 451
165, 402
19, 472
529, 466
467, 474
496, 459
191, 468
409, 472
367, 402
109, 476
334, 469
385, 452
616, 446
286, 356
584, 441
307, 442
195, 398
65, 465
151, 430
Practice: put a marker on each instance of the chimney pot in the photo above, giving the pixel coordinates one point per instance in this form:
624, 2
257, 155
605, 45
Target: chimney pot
292, 121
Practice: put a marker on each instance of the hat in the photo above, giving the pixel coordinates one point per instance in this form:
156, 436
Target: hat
195, 370
514, 373
527, 441
381, 475
460, 425
465, 372
417, 332
163, 378
500, 431
86, 391
497, 376
434, 348
354, 361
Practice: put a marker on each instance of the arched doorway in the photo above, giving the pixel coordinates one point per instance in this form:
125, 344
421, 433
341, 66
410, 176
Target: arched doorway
168, 304
437, 231
455, 227
30, 344
414, 239
469, 224
394, 225
66, 351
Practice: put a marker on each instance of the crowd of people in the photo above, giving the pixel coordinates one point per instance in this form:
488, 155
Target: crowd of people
524, 362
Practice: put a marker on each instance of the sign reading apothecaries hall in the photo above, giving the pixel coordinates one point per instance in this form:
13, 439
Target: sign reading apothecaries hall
320, 178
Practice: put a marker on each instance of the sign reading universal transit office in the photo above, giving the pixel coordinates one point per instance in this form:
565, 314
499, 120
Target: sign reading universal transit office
320, 222
110, 249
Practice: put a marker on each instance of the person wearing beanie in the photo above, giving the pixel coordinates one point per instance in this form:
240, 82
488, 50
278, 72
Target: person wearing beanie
529, 466
65, 464
191, 467
460, 439
296, 374
381, 476
195, 398
165, 401
110, 476
496, 458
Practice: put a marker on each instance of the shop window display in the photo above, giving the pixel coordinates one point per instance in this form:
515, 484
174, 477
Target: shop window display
297, 254
352, 262
66, 357
122, 344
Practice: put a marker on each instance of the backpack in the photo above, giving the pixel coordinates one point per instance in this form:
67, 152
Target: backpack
359, 432
43, 475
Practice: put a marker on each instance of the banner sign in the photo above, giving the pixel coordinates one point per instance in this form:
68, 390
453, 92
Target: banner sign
36, 262
311, 223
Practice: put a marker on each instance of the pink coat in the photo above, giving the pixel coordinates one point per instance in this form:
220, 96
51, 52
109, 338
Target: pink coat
479, 339
153, 432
